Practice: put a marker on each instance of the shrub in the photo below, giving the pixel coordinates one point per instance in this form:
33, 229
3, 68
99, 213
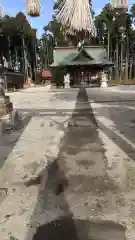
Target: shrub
58, 76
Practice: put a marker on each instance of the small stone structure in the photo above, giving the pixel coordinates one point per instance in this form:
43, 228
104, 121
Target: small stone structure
5, 104
67, 81
104, 80
8, 117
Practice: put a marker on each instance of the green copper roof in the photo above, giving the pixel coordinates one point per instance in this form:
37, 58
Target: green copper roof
60, 54
86, 63
65, 61
86, 56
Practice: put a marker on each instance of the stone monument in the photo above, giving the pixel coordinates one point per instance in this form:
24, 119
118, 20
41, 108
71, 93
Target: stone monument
9, 118
104, 80
5, 104
5, 62
67, 81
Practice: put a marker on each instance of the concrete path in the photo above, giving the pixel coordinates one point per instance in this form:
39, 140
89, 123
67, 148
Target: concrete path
58, 182
26, 152
121, 89
77, 199
115, 115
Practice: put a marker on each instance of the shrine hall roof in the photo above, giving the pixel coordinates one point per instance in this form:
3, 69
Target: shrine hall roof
82, 57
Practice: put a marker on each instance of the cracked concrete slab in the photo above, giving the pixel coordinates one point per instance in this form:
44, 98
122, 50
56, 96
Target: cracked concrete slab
36, 148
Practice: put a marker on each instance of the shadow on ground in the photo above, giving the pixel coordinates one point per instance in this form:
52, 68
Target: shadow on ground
10, 138
123, 131
118, 108
70, 229
52, 217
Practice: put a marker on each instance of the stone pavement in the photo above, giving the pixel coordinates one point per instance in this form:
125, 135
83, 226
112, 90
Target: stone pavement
121, 88
26, 152
77, 199
115, 115
57, 177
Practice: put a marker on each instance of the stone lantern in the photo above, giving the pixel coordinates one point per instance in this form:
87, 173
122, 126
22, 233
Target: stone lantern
2, 90
104, 80
67, 81
5, 104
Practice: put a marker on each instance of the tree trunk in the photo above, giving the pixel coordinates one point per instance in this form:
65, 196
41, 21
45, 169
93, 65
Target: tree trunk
108, 45
9, 53
121, 62
126, 62
1, 59
24, 60
117, 60
131, 65
16, 58
134, 62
